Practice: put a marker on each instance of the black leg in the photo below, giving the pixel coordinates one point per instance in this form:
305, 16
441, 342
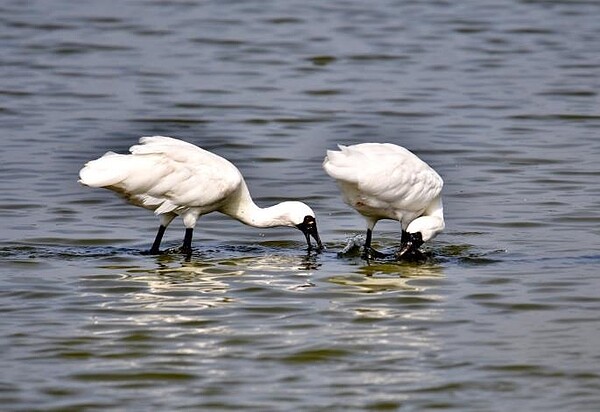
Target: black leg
368, 240
154, 250
187, 243
369, 252
404, 238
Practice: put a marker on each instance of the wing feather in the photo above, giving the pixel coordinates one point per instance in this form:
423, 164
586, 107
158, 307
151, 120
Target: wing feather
165, 174
384, 173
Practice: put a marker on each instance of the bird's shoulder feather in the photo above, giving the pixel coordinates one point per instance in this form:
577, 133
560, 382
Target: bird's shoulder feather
188, 175
383, 170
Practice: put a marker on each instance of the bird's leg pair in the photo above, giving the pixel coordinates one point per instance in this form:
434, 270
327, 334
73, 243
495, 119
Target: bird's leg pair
165, 220
185, 249
409, 247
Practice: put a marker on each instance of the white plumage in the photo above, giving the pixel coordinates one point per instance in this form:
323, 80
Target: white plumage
386, 181
176, 178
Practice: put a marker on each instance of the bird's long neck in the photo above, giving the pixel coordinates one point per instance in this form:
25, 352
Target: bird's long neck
243, 208
431, 222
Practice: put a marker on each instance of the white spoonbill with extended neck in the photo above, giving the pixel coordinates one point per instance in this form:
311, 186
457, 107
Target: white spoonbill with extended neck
176, 178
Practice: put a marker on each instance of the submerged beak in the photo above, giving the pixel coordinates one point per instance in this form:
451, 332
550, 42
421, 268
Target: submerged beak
405, 248
309, 228
412, 244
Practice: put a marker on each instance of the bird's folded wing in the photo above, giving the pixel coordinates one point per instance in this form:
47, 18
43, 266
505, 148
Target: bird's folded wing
191, 176
165, 173
386, 172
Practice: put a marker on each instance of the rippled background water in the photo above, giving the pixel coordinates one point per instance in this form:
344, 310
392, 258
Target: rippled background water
501, 97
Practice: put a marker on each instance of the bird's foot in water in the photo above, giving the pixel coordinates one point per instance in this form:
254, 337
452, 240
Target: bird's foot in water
185, 250
370, 253
151, 252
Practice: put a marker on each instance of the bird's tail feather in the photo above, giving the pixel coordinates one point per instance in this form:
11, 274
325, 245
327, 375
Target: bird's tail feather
159, 144
108, 170
341, 166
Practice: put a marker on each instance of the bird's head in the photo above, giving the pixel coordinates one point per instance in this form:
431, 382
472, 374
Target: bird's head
302, 217
420, 231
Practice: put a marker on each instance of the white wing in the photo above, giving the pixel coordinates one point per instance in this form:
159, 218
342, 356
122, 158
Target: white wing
384, 173
164, 174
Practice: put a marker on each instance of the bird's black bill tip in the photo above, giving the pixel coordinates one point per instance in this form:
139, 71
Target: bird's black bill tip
309, 228
406, 248
410, 245
320, 246
315, 235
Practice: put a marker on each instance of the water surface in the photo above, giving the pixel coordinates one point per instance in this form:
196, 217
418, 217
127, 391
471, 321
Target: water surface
501, 98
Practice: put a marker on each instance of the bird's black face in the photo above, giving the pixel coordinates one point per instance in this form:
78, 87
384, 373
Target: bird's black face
309, 228
411, 242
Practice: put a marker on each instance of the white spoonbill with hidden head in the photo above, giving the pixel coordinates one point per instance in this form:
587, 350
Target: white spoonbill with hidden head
176, 178
386, 181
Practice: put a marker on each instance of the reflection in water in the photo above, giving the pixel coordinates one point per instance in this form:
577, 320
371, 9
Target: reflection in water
168, 294
176, 290
386, 274
275, 261
383, 277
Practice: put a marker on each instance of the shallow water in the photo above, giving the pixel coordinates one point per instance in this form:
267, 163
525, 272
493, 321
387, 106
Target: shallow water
501, 99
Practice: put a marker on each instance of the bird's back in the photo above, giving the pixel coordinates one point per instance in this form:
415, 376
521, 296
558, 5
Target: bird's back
383, 178
165, 175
